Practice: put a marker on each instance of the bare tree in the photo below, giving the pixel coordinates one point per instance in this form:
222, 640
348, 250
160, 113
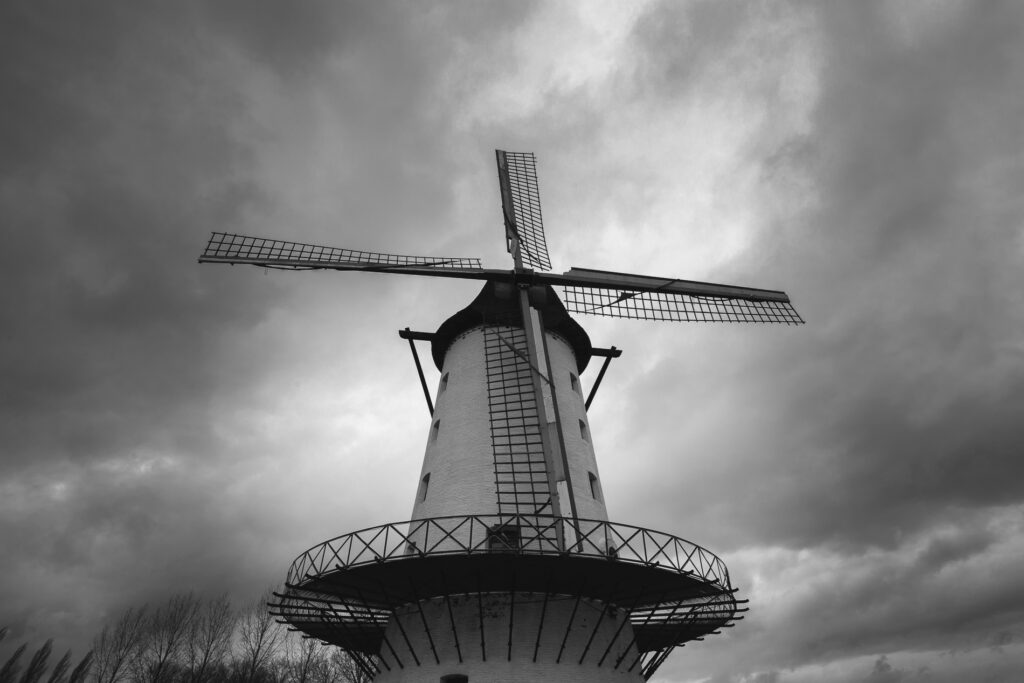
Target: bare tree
209, 639
313, 661
164, 639
305, 660
10, 669
81, 672
37, 665
346, 669
117, 648
259, 638
60, 669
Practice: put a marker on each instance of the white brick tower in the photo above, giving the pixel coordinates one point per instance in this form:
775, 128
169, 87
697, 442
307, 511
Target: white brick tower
485, 407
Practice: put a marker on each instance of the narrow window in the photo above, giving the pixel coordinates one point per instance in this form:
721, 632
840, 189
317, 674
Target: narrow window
583, 431
435, 429
444, 382
574, 381
425, 484
595, 491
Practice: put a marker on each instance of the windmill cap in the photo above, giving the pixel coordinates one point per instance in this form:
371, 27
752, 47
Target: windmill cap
498, 303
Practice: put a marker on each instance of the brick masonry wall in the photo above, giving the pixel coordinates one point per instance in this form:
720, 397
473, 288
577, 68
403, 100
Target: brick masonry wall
458, 456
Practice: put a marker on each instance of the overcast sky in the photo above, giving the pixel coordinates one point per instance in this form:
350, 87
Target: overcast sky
167, 426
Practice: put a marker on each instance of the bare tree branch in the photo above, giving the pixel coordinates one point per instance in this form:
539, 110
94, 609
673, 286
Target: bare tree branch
209, 639
167, 631
60, 669
82, 670
259, 638
37, 665
116, 648
346, 669
11, 668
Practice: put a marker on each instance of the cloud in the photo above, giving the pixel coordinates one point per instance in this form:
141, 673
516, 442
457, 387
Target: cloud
890, 215
903, 388
168, 424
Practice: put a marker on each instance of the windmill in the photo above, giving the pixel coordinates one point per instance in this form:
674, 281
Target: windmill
510, 569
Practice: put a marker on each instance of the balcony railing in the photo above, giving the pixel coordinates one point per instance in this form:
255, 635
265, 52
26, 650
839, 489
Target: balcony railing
524, 534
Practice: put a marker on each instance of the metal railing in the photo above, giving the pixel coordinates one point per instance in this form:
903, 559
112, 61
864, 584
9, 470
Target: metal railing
524, 534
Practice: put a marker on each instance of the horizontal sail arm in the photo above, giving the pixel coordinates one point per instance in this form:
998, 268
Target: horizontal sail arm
625, 295
586, 277
270, 253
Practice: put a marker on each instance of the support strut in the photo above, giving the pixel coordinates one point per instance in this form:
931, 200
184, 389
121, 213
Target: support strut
608, 355
425, 336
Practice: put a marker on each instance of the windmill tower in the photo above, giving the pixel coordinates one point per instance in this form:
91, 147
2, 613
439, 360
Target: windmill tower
510, 569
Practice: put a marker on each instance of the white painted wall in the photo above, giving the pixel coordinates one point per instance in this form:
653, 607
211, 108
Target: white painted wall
459, 459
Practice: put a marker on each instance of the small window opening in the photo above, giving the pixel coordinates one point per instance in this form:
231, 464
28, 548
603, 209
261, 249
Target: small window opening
434, 430
574, 381
425, 484
444, 382
503, 538
584, 433
595, 488
455, 678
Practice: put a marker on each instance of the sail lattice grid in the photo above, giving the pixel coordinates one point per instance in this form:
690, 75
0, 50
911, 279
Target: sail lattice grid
522, 179
279, 253
671, 306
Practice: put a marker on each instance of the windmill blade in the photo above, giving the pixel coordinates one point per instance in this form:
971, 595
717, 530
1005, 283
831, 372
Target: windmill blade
270, 253
624, 295
520, 203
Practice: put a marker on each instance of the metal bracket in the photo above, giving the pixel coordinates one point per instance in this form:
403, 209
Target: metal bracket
608, 354
422, 336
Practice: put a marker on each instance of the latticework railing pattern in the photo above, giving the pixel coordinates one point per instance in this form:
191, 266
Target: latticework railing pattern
460, 535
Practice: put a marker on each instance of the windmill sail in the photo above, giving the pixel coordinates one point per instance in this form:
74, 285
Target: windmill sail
624, 295
520, 201
238, 249
617, 303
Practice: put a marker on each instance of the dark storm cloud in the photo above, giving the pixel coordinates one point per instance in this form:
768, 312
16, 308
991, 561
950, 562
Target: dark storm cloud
906, 384
681, 39
118, 157
895, 225
122, 166
864, 463
957, 591
919, 396
128, 133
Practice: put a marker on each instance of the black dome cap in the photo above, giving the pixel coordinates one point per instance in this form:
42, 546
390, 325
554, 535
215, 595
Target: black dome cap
498, 303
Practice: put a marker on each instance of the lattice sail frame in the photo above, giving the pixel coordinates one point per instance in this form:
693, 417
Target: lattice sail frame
670, 306
300, 256
518, 179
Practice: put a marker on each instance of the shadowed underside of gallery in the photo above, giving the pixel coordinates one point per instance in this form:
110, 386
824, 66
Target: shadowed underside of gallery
664, 591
